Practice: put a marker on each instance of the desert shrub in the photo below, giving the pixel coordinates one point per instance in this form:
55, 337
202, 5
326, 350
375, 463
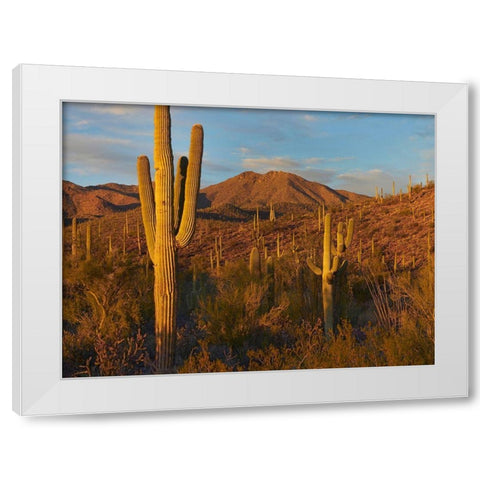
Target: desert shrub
118, 356
200, 361
104, 314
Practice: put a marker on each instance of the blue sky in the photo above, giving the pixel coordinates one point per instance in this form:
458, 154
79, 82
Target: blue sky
344, 150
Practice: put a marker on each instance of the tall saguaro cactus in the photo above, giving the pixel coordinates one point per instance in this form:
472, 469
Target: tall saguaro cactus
168, 215
333, 266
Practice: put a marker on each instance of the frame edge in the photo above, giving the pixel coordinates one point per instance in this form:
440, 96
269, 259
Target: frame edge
16, 238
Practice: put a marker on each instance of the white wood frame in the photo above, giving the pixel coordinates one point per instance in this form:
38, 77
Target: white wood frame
38, 388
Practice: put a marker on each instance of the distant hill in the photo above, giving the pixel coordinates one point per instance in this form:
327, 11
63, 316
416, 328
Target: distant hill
250, 189
99, 200
246, 190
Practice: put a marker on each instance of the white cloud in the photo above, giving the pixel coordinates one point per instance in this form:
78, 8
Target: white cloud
427, 154
243, 150
87, 154
317, 160
313, 160
358, 116
310, 118
365, 181
117, 110
324, 176
264, 164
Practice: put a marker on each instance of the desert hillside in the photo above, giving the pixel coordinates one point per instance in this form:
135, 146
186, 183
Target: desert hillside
250, 190
244, 191
234, 318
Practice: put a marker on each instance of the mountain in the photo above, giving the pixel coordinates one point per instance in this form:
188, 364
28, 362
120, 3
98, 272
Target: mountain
250, 189
246, 190
97, 201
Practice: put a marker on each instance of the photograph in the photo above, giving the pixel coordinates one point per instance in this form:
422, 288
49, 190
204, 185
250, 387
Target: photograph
214, 239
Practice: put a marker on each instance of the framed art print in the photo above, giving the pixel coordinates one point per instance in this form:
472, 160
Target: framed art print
204, 240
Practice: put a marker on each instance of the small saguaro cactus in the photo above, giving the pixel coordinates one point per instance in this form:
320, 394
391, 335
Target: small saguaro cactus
333, 267
319, 218
124, 241
272, 212
88, 242
270, 276
211, 260
254, 264
169, 223
74, 238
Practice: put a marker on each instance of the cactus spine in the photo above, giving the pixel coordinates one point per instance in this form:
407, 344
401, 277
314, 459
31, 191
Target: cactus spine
332, 266
158, 215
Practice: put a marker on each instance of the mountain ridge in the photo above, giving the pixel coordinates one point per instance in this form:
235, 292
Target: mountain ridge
245, 190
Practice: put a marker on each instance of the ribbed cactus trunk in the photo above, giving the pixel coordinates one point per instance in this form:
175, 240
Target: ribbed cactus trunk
164, 266
327, 276
169, 221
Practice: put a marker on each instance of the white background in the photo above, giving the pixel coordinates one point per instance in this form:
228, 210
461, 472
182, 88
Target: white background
411, 40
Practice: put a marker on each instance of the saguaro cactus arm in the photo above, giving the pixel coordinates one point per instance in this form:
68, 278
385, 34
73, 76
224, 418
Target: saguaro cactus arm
349, 238
327, 243
147, 202
179, 192
254, 264
192, 185
340, 238
314, 268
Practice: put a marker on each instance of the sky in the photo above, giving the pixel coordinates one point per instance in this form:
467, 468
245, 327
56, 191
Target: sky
344, 150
